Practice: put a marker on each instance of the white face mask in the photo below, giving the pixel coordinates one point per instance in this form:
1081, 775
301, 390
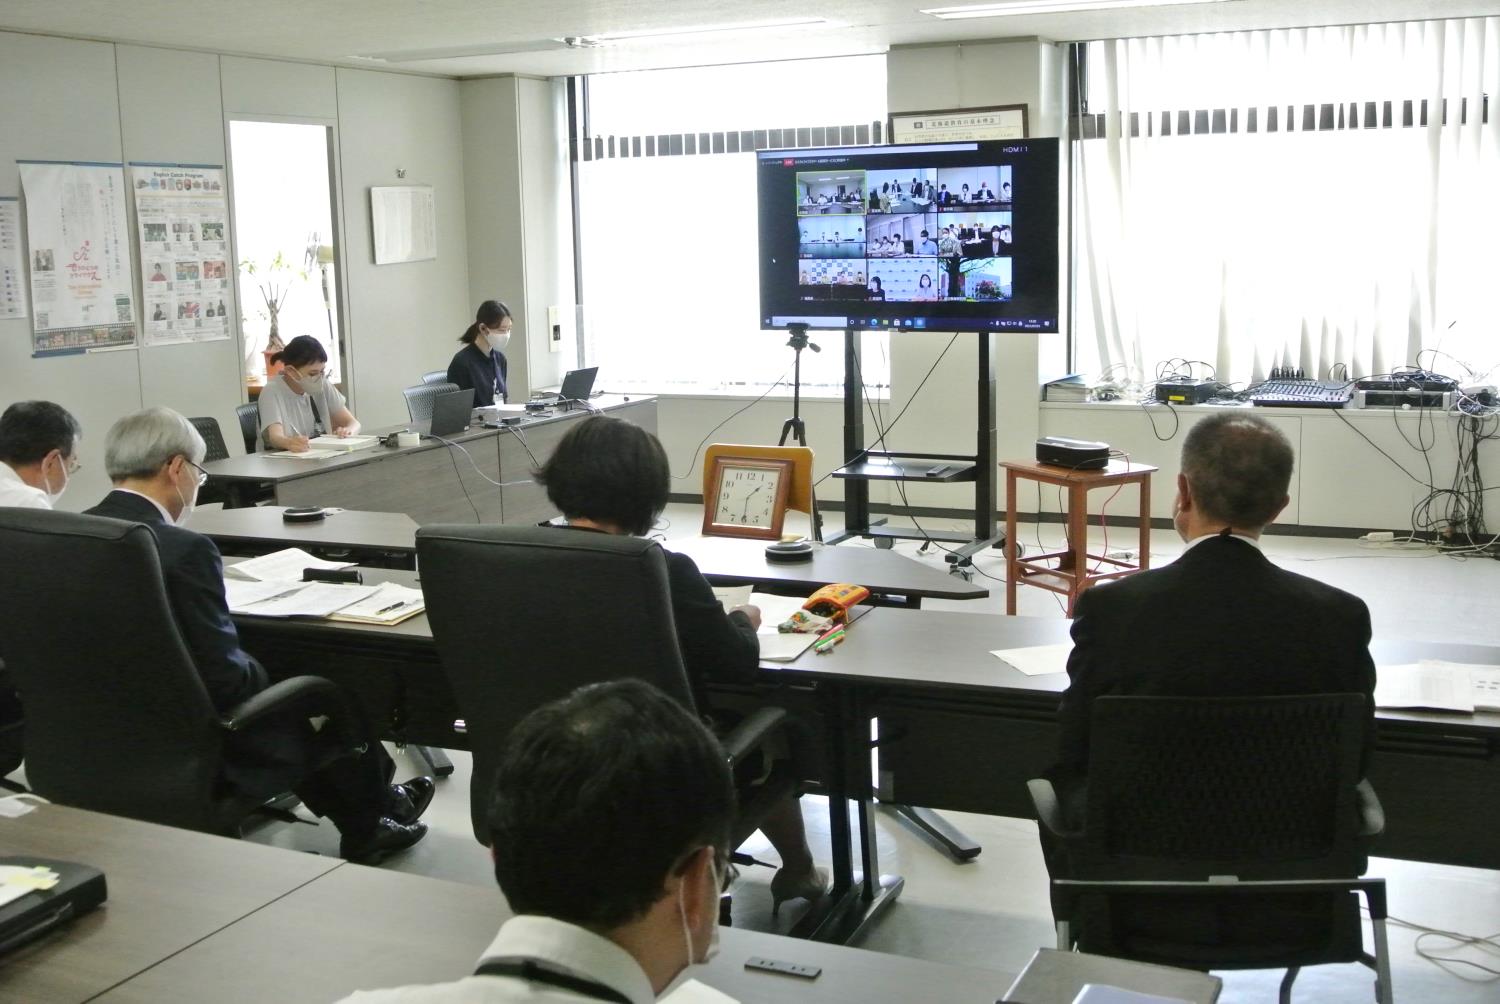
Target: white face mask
712, 949
497, 340
53, 497
187, 503
311, 383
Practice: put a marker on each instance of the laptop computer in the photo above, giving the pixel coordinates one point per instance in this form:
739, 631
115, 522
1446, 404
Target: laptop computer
451, 410
576, 386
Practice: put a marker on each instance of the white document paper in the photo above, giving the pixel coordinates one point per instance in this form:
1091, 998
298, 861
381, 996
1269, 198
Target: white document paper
404, 221
241, 593
775, 646
183, 239
1036, 660
280, 566
307, 454
82, 284
730, 597
388, 604
313, 599
693, 992
12, 263
1095, 993
344, 444
1485, 684
1430, 684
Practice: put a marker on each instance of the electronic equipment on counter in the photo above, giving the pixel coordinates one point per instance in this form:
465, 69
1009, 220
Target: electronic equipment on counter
1186, 391
1076, 454
1289, 388
1411, 389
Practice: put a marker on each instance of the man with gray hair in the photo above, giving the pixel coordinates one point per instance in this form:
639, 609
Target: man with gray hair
154, 458
1221, 620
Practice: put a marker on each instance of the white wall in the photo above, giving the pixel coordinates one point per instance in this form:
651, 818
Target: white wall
407, 316
128, 102
520, 218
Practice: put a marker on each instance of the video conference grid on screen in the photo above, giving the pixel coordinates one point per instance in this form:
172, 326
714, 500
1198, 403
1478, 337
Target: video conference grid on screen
943, 237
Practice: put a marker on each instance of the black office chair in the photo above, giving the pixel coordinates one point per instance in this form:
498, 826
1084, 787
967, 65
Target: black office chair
419, 399
1225, 833
12, 724
436, 376
117, 717
613, 620
208, 428
249, 416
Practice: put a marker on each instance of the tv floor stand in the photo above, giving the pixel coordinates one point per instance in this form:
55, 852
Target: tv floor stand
863, 465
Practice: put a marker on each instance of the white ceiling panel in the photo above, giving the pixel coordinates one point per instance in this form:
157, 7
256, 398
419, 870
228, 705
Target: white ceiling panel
481, 37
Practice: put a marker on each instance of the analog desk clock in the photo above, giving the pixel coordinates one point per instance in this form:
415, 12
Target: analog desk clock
747, 497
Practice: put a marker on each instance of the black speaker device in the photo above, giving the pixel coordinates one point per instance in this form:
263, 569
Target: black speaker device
303, 514
1075, 454
1186, 391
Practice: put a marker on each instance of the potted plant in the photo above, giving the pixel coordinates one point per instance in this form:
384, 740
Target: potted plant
274, 280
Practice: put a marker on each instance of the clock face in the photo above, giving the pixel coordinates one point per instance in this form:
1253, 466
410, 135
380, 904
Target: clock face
747, 496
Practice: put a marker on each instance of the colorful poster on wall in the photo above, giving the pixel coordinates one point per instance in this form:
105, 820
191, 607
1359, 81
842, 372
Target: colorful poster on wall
181, 212
82, 291
12, 272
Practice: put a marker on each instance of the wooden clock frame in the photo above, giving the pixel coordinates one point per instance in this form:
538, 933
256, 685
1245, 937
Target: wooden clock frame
778, 505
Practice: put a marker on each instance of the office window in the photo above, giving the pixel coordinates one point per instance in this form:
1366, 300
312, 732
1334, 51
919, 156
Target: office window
667, 219
1319, 198
281, 182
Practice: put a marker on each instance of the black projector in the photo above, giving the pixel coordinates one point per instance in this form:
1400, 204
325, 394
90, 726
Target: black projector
1076, 454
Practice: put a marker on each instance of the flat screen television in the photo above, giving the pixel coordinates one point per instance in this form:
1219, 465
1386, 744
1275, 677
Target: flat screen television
936, 237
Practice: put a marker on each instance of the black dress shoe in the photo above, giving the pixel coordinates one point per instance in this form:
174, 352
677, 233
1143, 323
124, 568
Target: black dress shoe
410, 799
388, 837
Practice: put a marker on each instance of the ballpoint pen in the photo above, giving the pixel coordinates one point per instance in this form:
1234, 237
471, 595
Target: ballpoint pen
394, 606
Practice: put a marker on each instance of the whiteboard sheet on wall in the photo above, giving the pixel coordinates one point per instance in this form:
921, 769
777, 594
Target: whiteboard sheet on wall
82, 287
404, 221
12, 270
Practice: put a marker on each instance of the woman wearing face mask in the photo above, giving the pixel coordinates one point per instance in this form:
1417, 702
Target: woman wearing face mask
300, 402
480, 364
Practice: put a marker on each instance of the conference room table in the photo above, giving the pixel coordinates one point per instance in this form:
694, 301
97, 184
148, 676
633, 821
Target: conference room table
391, 538
192, 917
959, 729
481, 475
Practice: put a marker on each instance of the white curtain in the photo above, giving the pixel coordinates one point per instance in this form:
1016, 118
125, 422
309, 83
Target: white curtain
1374, 248
670, 244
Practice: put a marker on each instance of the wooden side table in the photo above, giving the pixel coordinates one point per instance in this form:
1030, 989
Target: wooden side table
1067, 572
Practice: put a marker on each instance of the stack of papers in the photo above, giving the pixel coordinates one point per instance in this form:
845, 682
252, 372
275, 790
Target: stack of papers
343, 444
296, 599
774, 646
310, 454
280, 566
1438, 686
391, 603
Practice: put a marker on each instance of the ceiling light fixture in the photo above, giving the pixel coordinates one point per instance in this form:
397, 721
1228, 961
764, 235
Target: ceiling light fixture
605, 38
1047, 7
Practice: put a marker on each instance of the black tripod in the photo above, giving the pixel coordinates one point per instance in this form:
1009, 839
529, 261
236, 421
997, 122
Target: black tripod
794, 426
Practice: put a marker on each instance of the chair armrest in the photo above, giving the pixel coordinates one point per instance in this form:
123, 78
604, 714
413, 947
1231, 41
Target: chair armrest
1048, 809
1371, 813
747, 736
300, 697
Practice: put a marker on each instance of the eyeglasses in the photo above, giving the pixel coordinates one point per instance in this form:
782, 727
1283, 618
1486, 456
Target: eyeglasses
202, 474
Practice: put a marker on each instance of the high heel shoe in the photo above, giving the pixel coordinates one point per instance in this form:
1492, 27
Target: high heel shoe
787, 885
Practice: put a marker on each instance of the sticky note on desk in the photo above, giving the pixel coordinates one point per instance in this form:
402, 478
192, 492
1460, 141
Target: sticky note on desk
1036, 660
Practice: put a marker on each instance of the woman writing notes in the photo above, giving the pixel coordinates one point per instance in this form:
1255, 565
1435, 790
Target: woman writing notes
300, 403
480, 364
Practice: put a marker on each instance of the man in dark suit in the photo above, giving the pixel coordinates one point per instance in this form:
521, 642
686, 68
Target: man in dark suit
1221, 620
153, 459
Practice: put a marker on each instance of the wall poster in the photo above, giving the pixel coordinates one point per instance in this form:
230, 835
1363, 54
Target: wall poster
82, 290
185, 268
12, 271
